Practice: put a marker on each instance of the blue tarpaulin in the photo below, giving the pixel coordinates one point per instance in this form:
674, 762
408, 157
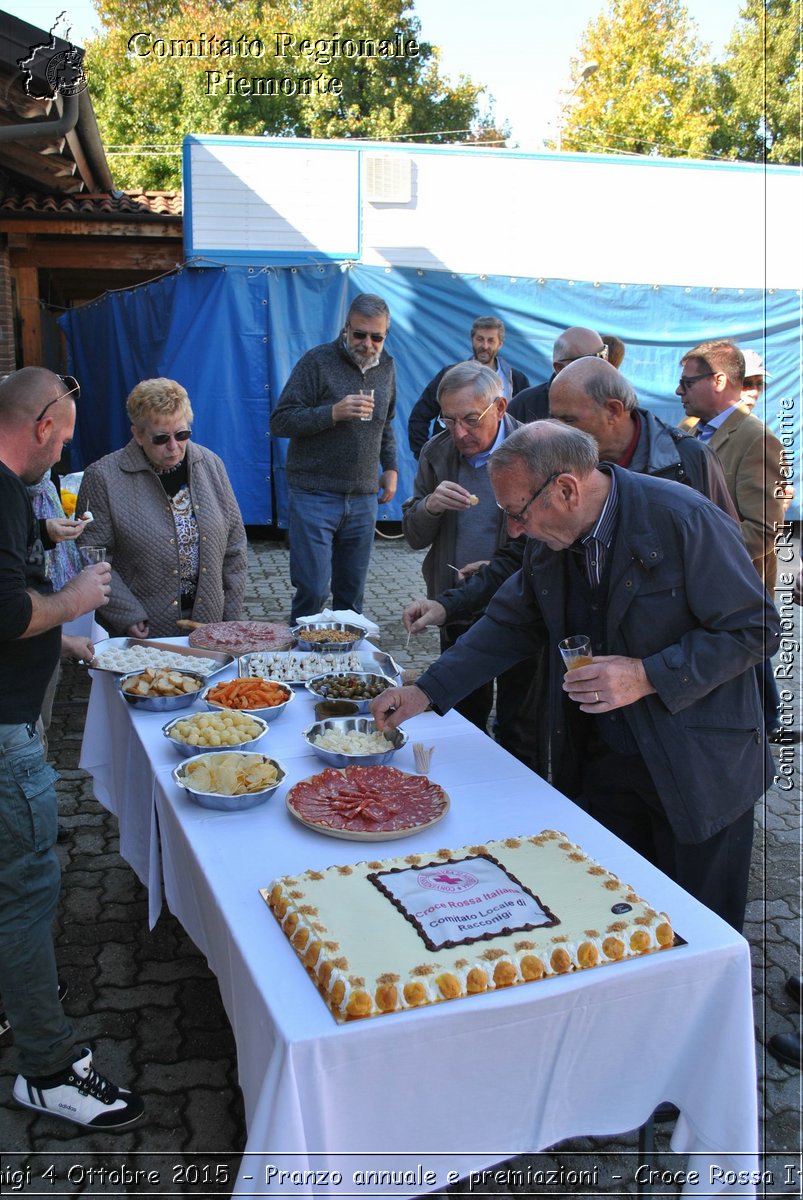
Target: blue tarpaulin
231, 336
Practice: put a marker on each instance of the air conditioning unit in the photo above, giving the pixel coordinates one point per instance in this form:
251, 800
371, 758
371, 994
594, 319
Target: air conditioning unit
388, 179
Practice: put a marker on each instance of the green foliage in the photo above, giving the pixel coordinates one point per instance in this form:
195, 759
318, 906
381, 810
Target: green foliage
145, 104
653, 91
760, 84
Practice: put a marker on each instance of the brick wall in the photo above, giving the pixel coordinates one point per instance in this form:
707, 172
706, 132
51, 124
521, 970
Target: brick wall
8, 356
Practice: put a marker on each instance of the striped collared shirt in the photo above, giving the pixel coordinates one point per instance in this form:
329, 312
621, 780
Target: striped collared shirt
597, 542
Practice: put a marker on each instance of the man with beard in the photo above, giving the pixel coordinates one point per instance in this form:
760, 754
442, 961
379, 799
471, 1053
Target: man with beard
487, 336
337, 409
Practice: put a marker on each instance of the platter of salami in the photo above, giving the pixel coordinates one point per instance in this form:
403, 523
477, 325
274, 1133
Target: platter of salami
242, 637
367, 804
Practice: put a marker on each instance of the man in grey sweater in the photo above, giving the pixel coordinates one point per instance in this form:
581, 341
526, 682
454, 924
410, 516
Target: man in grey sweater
337, 409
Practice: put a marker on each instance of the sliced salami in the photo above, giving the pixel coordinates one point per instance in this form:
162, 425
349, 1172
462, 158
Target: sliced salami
367, 803
243, 637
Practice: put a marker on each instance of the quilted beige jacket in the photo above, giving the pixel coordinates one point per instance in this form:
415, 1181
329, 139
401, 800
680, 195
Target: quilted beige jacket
134, 521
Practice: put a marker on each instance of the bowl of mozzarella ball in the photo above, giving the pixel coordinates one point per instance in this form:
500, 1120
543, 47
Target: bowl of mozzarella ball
353, 741
225, 730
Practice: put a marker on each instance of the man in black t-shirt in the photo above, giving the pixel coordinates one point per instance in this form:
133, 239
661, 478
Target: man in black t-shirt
37, 418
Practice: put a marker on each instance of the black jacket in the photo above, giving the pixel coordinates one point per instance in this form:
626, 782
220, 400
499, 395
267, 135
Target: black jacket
662, 451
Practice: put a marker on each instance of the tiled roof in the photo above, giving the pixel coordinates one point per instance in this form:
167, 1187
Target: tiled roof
102, 204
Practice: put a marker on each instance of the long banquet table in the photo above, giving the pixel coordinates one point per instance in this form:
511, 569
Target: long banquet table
457, 1086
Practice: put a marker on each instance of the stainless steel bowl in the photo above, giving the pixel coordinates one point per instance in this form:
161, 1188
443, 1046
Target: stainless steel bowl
187, 751
320, 686
397, 738
267, 714
304, 643
161, 703
221, 803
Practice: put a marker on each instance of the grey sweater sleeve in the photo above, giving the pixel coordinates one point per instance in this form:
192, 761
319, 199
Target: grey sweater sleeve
299, 413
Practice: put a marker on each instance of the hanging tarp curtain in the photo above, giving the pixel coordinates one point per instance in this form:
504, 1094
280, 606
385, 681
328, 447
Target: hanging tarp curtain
231, 336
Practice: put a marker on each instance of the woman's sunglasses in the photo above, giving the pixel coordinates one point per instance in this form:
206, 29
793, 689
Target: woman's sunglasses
161, 439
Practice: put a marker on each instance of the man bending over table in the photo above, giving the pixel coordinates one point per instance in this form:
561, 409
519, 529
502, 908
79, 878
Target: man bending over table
661, 737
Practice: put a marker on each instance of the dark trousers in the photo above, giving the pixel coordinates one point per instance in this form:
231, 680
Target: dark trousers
619, 793
522, 721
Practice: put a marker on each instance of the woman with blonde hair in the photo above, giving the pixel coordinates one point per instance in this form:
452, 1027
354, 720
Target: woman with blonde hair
166, 514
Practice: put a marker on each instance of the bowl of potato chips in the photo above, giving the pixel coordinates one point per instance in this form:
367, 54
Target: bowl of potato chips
159, 690
230, 781
225, 729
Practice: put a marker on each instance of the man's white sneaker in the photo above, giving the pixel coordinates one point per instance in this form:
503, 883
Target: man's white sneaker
81, 1095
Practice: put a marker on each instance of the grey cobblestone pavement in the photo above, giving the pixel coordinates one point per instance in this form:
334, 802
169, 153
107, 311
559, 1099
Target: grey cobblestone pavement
151, 1007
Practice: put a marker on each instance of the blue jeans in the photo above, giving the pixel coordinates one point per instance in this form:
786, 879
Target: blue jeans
331, 536
30, 881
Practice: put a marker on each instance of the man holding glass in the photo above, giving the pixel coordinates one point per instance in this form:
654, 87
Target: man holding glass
337, 409
660, 580
57, 1075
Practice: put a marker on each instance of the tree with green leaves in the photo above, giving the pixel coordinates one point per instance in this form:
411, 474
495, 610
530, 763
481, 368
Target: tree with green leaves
292, 72
652, 90
760, 84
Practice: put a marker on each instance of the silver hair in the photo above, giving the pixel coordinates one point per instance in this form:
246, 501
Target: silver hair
546, 448
367, 304
483, 381
610, 385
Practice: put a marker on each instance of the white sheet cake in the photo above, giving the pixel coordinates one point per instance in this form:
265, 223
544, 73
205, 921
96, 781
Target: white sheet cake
384, 936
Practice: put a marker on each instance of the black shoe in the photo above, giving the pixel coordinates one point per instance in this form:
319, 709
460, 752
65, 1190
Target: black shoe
81, 1095
794, 987
5, 1024
787, 1048
666, 1111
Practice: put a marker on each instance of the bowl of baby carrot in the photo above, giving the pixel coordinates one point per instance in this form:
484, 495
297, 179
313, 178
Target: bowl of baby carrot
259, 697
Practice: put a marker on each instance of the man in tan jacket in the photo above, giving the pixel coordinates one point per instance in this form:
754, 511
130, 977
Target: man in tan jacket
710, 388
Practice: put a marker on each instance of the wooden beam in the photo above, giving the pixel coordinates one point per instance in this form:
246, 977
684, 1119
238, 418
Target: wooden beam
30, 315
117, 255
90, 226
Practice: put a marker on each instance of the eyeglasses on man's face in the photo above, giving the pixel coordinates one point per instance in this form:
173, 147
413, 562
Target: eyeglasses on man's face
520, 517
73, 389
362, 335
161, 439
601, 353
686, 381
471, 421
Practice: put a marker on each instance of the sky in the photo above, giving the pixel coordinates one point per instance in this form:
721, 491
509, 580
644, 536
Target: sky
520, 49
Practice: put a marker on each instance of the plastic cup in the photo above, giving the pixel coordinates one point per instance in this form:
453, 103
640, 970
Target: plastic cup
576, 651
92, 554
367, 392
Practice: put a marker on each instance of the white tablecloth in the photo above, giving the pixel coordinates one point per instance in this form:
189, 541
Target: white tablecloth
457, 1086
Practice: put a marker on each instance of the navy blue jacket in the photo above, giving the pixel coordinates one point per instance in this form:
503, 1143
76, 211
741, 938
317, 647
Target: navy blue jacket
684, 598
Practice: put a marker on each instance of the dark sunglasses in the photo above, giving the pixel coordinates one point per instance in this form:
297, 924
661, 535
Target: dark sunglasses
74, 388
161, 439
685, 381
362, 334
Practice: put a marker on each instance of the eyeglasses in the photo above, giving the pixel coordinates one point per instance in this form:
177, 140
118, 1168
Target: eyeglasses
602, 353
74, 389
521, 516
161, 439
362, 335
685, 381
753, 383
469, 422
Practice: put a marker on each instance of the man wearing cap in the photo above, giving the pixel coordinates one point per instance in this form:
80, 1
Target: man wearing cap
754, 376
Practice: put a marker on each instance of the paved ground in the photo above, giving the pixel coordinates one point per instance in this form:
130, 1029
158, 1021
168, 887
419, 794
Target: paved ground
151, 1008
